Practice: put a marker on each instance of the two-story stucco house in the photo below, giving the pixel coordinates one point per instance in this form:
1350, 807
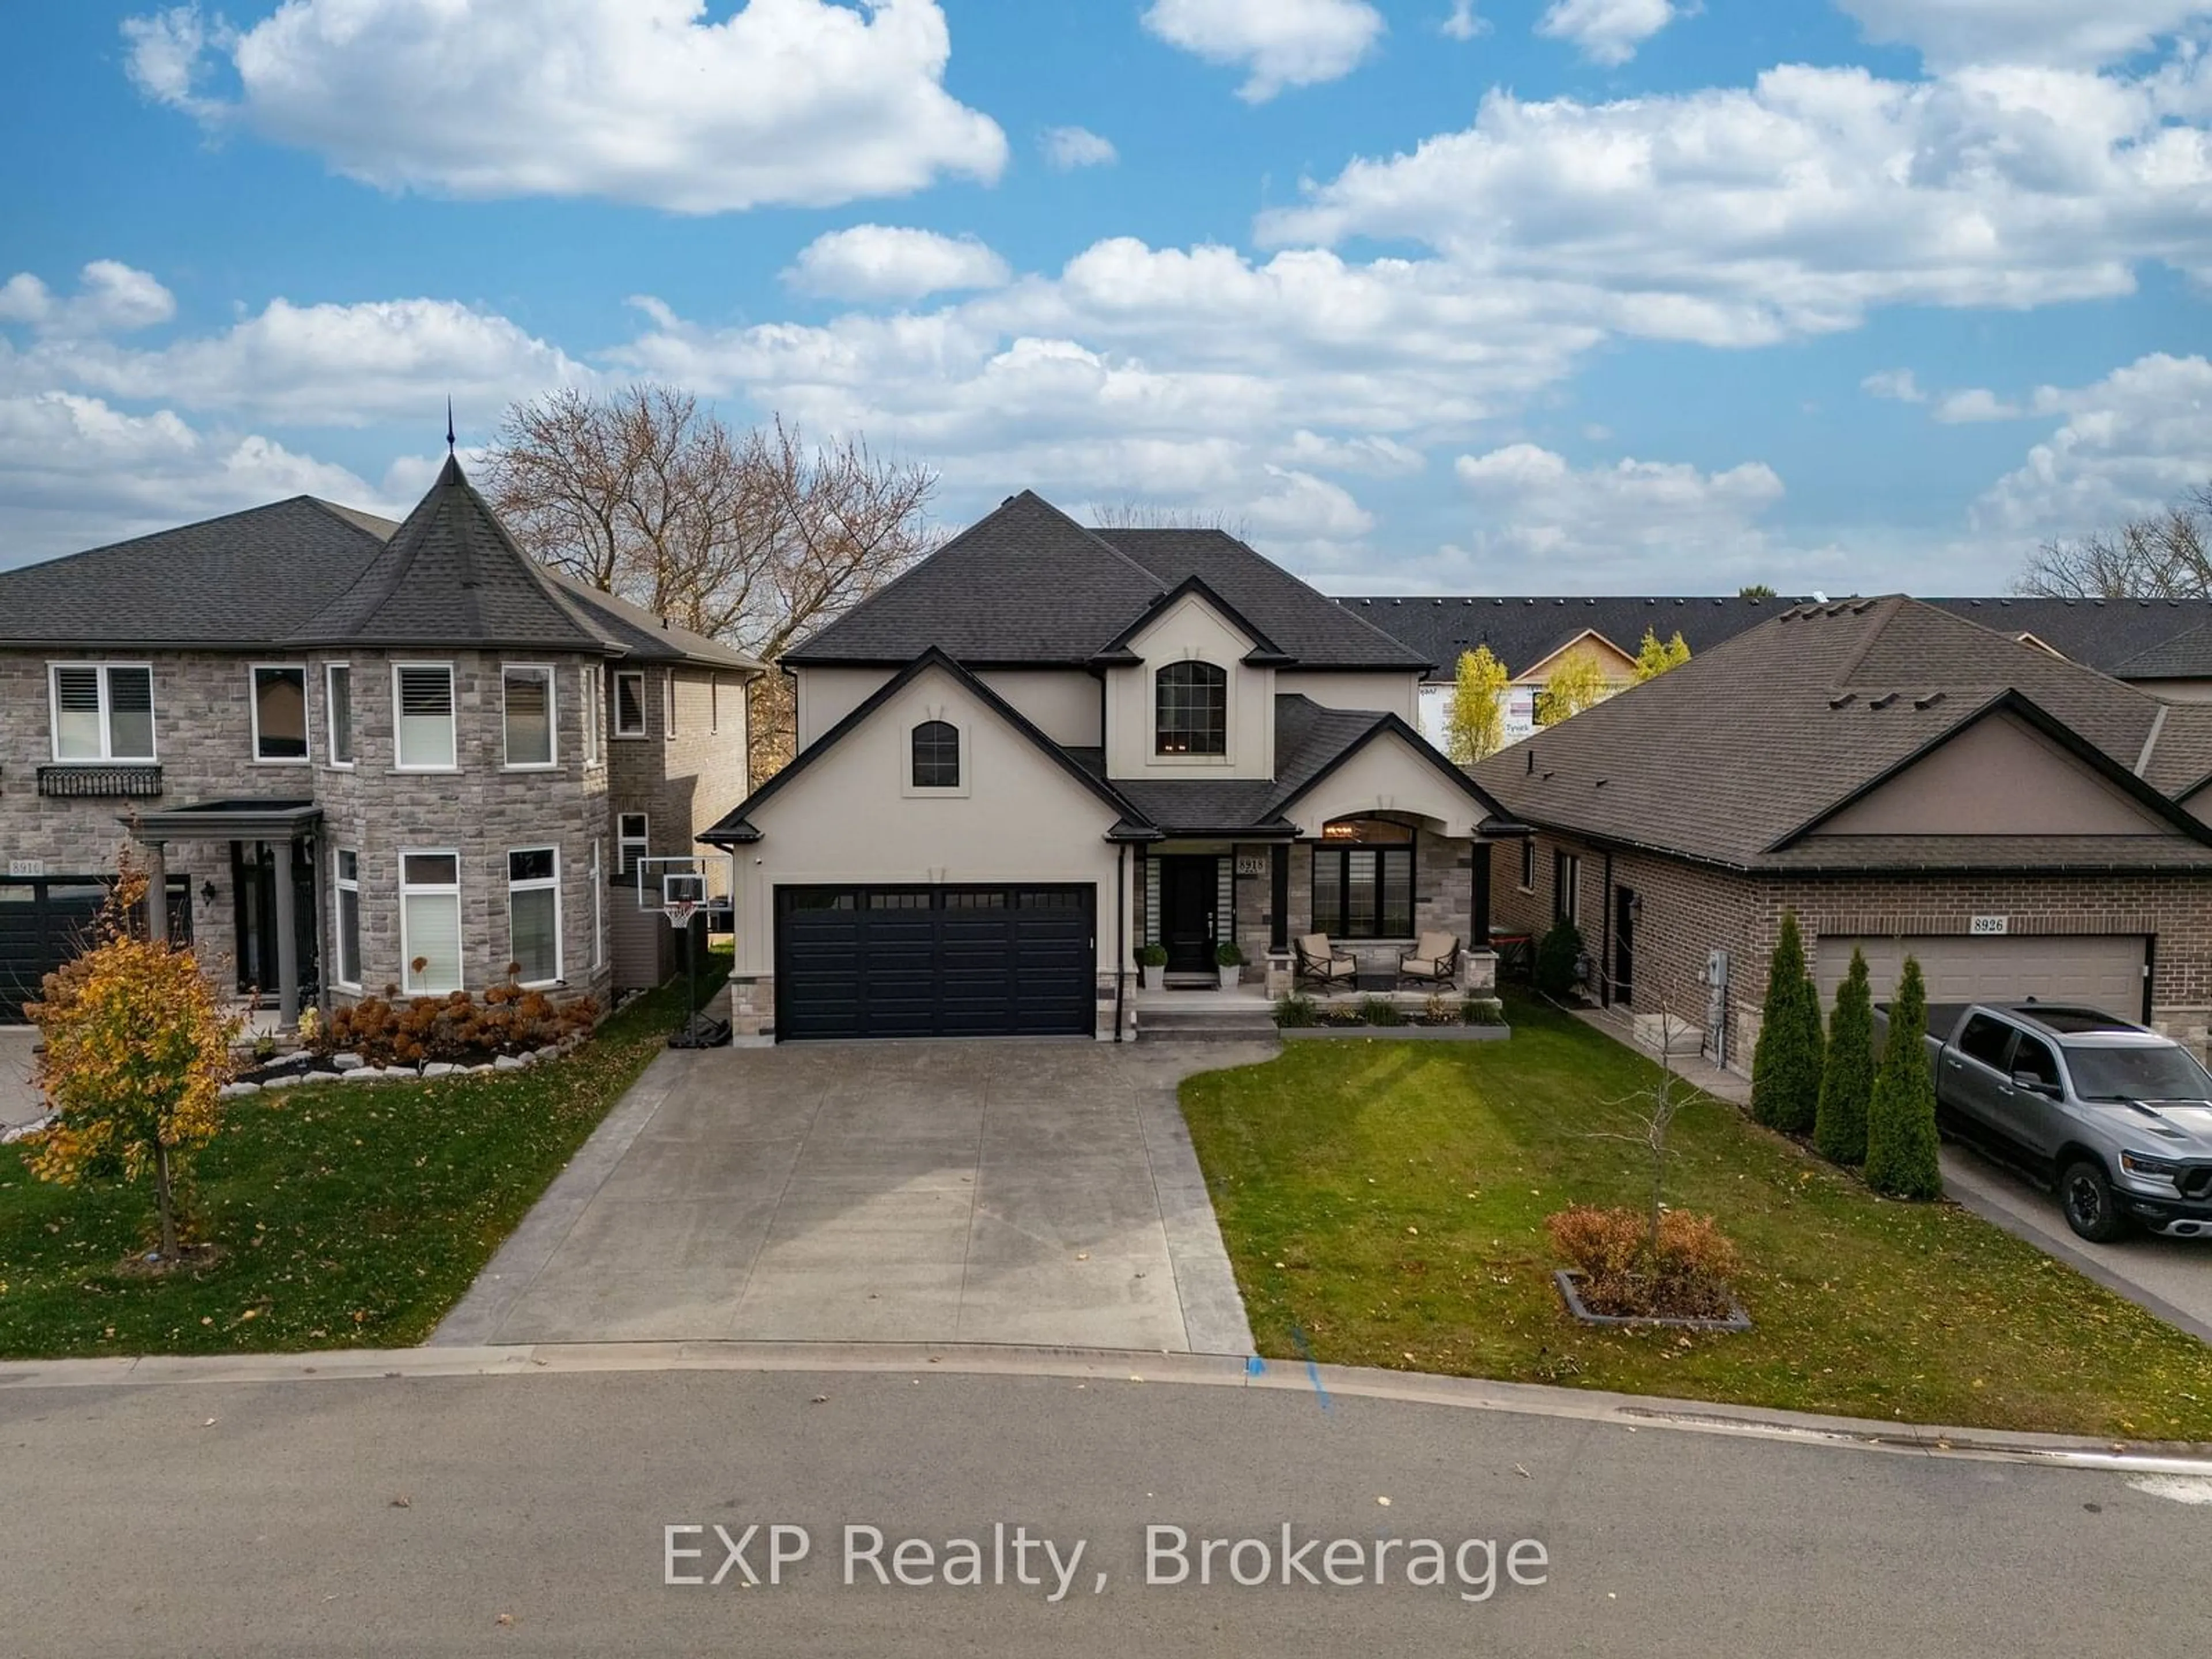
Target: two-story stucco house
1046, 746
359, 755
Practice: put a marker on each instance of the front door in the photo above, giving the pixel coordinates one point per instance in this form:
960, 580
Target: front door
1624, 946
1189, 889
254, 866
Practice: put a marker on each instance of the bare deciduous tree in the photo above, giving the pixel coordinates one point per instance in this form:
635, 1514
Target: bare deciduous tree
2164, 555
1149, 515
749, 537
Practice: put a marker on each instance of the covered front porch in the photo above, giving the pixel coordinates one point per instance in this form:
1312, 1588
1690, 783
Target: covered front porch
1374, 884
272, 889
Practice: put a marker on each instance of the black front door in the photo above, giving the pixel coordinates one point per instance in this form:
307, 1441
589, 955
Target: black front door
1189, 889
253, 867
1624, 946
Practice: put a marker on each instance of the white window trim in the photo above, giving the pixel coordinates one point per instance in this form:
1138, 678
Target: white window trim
645, 723
552, 718
331, 671
914, 791
453, 701
340, 885
623, 843
539, 884
590, 678
668, 706
253, 672
107, 718
598, 904
1528, 864
408, 891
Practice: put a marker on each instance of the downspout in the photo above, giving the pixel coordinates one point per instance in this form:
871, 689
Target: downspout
1605, 944
1121, 927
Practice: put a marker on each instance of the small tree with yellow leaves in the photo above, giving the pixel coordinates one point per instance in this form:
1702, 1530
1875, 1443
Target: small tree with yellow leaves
1475, 728
1654, 659
137, 1052
1574, 686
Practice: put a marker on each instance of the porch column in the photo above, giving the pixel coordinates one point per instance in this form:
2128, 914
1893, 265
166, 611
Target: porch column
1477, 922
288, 941
1279, 897
157, 891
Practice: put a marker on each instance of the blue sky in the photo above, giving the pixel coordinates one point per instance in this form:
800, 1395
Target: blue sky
1513, 296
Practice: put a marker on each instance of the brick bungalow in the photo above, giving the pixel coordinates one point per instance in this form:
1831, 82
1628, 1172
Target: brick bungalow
1903, 780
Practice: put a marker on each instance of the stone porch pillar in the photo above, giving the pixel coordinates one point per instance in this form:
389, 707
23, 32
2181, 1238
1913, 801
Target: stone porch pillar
157, 890
288, 941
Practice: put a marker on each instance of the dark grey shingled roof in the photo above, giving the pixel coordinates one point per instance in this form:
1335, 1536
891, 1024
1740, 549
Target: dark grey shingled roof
2129, 639
248, 578
1730, 757
1027, 584
451, 575
1521, 632
644, 636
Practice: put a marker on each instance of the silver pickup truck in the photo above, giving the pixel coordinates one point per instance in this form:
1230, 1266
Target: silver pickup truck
2117, 1118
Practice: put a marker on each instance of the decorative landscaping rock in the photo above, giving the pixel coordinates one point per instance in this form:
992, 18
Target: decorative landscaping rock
438, 1068
364, 1075
348, 1062
24, 1131
551, 1051
1566, 1278
509, 1063
237, 1090
285, 1080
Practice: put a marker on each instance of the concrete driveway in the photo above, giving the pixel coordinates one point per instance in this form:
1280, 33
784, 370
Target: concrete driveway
973, 1191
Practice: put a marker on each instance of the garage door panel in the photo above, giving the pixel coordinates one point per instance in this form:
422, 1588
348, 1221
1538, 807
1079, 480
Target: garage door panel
2104, 970
956, 961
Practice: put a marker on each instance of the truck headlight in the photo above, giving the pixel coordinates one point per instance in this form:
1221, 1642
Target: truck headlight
2154, 1169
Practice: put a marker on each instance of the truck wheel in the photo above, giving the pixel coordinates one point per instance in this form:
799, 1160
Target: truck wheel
2091, 1210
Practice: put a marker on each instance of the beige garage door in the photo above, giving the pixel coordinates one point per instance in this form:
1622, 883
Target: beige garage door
2104, 970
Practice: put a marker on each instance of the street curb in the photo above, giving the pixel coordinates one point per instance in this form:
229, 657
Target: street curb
1327, 1383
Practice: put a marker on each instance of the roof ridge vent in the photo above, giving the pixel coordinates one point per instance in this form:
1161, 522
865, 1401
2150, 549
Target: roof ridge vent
1883, 701
1845, 700
1928, 702
1862, 607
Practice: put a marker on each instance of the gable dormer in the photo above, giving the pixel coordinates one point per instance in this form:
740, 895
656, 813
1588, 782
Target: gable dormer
1190, 691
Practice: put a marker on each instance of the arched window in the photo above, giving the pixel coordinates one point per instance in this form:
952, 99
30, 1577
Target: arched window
937, 754
1191, 707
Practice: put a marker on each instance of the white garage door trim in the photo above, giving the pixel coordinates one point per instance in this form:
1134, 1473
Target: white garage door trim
2104, 970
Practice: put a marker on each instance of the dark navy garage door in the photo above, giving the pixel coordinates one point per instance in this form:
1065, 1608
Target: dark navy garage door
968, 961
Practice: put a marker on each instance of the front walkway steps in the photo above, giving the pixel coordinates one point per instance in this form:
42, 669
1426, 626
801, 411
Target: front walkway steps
1204, 1016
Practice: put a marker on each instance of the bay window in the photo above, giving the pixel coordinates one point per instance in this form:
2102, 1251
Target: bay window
338, 705
346, 912
527, 694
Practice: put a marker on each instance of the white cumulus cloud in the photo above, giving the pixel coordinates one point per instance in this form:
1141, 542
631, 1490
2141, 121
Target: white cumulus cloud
2078, 32
1278, 43
1745, 216
1463, 22
1066, 148
111, 298
2130, 444
1606, 31
888, 262
784, 101
1898, 385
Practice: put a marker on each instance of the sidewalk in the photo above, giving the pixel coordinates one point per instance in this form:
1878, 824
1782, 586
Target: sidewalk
2168, 1278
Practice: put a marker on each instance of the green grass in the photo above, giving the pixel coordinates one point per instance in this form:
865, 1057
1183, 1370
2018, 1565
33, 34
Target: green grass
349, 1216
1383, 1204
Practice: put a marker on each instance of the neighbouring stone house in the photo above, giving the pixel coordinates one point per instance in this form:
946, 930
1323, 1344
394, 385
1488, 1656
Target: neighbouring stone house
360, 754
1906, 781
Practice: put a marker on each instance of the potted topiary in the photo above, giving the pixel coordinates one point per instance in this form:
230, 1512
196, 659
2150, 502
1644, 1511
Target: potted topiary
1153, 960
1231, 961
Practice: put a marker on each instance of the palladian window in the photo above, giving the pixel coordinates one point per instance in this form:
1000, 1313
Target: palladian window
1191, 709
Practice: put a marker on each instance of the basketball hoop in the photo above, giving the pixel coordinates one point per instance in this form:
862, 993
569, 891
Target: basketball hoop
679, 913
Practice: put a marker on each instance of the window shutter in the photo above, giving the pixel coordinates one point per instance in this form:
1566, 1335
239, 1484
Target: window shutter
77, 690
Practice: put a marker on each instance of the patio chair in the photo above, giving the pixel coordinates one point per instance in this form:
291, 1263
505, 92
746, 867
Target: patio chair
1433, 960
1318, 962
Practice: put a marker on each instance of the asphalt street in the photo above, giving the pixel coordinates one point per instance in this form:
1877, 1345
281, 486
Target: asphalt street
530, 1514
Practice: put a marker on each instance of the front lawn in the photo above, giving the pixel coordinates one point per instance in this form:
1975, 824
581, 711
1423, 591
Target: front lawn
1383, 1204
350, 1215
